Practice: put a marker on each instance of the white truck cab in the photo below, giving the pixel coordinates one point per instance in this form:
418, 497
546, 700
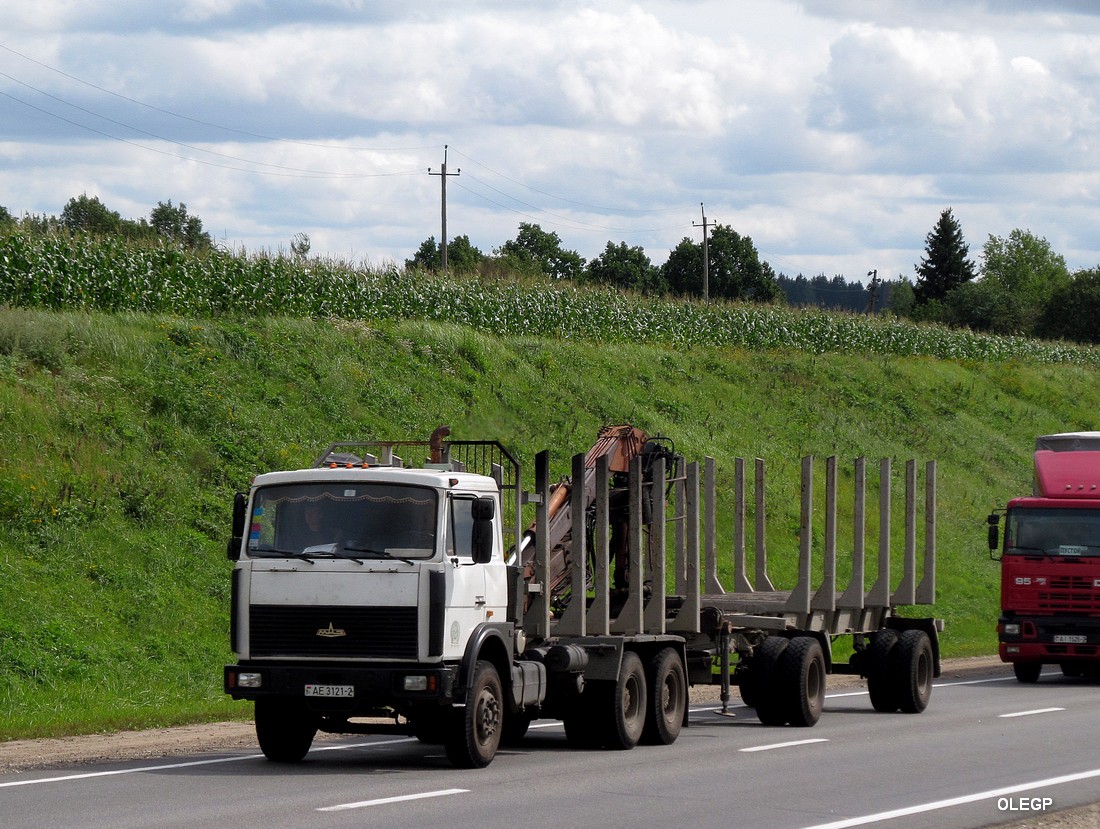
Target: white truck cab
357, 591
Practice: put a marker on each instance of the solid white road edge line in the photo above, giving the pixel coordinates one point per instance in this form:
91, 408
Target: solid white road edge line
189, 764
384, 800
956, 801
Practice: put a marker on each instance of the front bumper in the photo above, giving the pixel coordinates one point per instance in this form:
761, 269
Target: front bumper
372, 687
1048, 639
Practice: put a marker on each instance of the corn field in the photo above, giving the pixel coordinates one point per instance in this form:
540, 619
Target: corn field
59, 271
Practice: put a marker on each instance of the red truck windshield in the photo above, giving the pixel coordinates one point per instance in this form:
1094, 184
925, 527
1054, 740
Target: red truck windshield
1053, 532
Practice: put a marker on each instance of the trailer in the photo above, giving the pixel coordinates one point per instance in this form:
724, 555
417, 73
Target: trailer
429, 606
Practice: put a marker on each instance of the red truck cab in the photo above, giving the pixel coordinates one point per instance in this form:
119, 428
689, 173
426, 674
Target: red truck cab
1050, 562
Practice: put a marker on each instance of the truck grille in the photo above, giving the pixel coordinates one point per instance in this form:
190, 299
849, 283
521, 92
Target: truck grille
1070, 593
348, 632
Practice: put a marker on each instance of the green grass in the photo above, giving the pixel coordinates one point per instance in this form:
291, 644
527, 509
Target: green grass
129, 422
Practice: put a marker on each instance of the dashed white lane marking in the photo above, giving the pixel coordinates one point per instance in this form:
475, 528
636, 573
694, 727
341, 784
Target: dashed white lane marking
362, 804
1029, 713
784, 745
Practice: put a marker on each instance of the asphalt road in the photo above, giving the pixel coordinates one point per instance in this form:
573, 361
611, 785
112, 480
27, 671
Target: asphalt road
988, 750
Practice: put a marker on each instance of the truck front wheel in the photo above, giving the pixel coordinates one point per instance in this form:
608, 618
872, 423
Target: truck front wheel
1027, 671
284, 728
476, 729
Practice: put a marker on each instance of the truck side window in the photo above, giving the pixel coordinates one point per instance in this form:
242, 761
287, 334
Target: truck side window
460, 524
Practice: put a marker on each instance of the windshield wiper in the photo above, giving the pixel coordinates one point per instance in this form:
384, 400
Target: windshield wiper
375, 553
271, 553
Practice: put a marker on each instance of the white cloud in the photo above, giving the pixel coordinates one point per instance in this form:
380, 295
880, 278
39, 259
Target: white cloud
833, 133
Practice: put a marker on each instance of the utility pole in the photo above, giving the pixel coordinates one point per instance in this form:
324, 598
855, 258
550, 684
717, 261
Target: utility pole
443, 180
874, 290
706, 253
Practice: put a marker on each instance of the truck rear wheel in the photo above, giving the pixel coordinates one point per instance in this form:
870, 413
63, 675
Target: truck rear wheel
284, 729
911, 665
1027, 671
763, 678
801, 680
667, 698
880, 684
474, 734
627, 705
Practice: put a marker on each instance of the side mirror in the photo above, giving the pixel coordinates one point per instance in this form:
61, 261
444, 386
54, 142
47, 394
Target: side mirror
240, 506
994, 535
484, 511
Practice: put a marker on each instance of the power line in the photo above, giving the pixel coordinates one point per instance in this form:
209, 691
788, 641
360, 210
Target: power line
199, 120
603, 208
291, 172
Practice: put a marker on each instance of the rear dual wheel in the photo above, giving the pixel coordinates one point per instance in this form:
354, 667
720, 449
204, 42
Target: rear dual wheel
668, 695
787, 681
900, 671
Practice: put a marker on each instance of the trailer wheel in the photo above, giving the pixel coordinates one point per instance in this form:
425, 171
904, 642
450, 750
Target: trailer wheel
667, 686
627, 706
801, 680
1027, 671
770, 707
912, 671
474, 733
284, 729
880, 685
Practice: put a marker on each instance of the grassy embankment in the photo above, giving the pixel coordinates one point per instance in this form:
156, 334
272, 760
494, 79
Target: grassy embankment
126, 432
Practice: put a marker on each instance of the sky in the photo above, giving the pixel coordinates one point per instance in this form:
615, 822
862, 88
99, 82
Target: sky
831, 132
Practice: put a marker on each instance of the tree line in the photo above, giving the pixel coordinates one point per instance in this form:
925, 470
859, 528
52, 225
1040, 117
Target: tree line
87, 214
1022, 286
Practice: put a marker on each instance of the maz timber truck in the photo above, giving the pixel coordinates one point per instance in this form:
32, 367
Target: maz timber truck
368, 597
1050, 562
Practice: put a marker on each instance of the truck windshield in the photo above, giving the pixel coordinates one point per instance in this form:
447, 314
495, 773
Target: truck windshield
1054, 532
343, 521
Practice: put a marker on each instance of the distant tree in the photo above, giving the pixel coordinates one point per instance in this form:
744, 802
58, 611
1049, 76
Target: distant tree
625, 267
734, 272
1073, 310
427, 256
1021, 273
898, 297
5, 217
176, 224
536, 251
798, 290
90, 215
945, 266
462, 257
300, 245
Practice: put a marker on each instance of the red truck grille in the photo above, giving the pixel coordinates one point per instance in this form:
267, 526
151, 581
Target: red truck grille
1069, 594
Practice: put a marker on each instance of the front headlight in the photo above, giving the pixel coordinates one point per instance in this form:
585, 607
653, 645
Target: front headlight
1012, 630
249, 680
